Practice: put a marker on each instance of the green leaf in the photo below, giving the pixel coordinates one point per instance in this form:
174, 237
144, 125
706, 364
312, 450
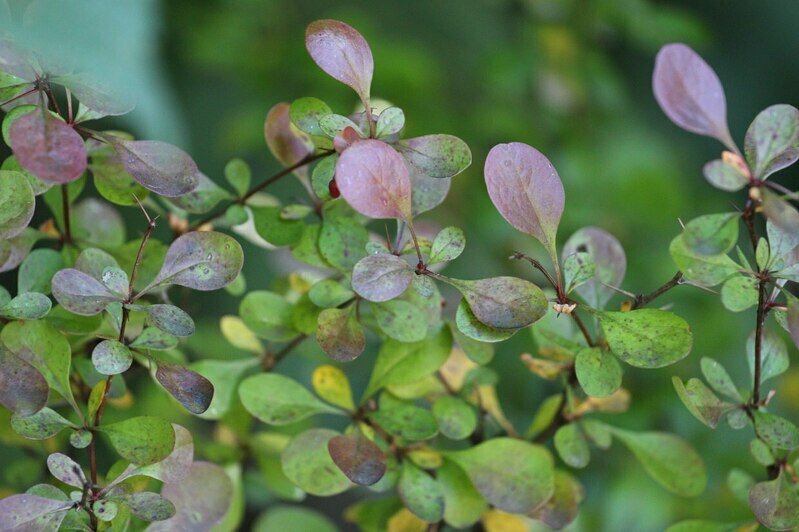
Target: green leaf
772, 140
455, 417
37, 270
739, 293
26, 306
407, 363
773, 355
401, 320
598, 372
448, 245
81, 293
463, 505
201, 260
406, 421
572, 446
237, 173
438, 156
474, 329
307, 463
647, 338
205, 196
512, 475
712, 234
381, 277
762, 253
112, 181
342, 240
761, 452
44, 348
775, 503
174, 468
340, 335
669, 460
268, 315
332, 125
149, 506
305, 114
42, 425
776, 431
724, 176
279, 517
111, 357
328, 293
479, 352
421, 493
154, 339
701, 402
503, 302
719, 379
141, 440
273, 228
279, 400
390, 122
702, 270
578, 269
358, 457
323, 173
17, 203
170, 319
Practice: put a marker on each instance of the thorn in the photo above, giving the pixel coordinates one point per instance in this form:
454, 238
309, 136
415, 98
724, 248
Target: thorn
619, 290
143, 210
679, 221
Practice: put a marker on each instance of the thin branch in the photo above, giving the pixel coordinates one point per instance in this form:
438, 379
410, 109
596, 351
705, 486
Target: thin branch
540, 267
762, 302
243, 199
270, 360
65, 208
643, 300
18, 96
581, 325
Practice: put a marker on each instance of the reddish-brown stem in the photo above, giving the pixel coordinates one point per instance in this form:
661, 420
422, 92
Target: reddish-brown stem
243, 199
644, 299
582, 328
762, 301
65, 208
18, 96
270, 360
540, 267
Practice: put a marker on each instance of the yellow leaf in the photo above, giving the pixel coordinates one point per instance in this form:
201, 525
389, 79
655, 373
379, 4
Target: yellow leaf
497, 521
235, 332
405, 521
332, 385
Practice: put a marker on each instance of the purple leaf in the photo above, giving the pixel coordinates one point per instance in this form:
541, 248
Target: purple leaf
171, 319
342, 53
772, 140
339, 334
427, 192
358, 457
111, 357
288, 144
14, 250
202, 260
202, 499
23, 389
28, 513
503, 302
190, 388
48, 148
374, 180
66, 470
690, 93
381, 277
157, 166
609, 258
438, 156
81, 293
526, 190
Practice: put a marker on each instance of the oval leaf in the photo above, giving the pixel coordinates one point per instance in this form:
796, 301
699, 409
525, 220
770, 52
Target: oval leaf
438, 156
772, 140
381, 277
358, 457
279, 400
191, 389
48, 148
503, 302
647, 338
157, 166
342, 53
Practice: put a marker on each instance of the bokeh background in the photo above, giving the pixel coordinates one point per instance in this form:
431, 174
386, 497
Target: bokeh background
570, 77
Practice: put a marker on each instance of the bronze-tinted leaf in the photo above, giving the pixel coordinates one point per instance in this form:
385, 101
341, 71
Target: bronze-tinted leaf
358, 457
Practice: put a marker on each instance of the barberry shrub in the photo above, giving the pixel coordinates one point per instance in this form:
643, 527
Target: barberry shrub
428, 435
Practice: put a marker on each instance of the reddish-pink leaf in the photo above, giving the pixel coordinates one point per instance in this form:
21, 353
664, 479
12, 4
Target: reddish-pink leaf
358, 457
23, 389
48, 148
690, 93
381, 277
374, 180
163, 168
342, 52
526, 190
288, 144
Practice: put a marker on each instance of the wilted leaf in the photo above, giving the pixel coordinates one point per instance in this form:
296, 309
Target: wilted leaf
776, 431
690, 93
563, 507
340, 335
358, 457
647, 338
160, 167
191, 389
48, 147
288, 144
279, 400
526, 190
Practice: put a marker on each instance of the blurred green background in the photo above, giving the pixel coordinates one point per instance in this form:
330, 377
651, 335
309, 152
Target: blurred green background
570, 77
